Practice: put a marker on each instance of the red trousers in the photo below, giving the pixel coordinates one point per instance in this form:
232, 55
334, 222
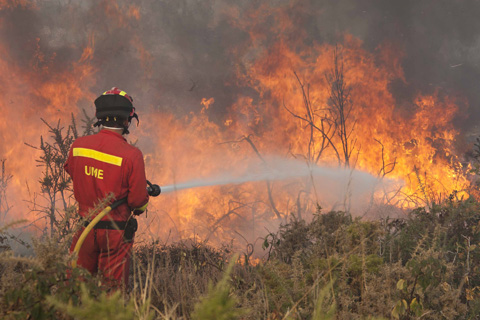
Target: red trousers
106, 252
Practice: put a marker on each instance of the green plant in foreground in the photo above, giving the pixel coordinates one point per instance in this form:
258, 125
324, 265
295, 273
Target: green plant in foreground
325, 306
104, 307
403, 308
218, 303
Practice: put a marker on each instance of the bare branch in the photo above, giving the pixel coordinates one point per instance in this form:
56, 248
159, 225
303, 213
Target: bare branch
269, 187
384, 166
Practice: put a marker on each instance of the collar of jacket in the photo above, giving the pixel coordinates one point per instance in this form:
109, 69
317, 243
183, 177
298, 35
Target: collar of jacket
112, 133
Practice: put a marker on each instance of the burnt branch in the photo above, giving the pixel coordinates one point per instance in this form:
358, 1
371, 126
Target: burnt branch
250, 142
341, 106
88, 122
324, 128
269, 187
423, 185
55, 182
383, 171
230, 212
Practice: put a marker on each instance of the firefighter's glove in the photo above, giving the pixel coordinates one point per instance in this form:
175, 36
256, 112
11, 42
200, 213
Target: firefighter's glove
140, 210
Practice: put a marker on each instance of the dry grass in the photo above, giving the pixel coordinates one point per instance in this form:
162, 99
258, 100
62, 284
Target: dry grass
425, 266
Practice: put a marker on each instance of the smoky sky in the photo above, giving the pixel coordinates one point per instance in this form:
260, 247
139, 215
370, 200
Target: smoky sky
178, 52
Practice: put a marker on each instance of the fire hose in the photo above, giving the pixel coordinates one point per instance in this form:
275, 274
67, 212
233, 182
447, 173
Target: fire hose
152, 189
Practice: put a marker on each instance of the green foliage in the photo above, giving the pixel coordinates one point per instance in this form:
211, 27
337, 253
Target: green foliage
293, 238
29, 282
325, 306
427, 271
105, 307
435, 252
357, 264
405, 307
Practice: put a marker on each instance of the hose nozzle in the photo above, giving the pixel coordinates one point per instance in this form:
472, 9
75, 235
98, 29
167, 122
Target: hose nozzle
153, 189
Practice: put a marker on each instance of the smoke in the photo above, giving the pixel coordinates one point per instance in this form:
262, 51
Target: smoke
170, 54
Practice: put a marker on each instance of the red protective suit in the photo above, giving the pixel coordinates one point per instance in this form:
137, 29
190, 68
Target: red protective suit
100, 164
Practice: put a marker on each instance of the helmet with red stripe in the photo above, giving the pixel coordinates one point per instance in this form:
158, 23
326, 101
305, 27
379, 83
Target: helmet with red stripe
113, 104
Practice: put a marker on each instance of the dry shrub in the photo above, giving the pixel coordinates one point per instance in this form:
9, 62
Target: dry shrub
424, 266
182, 272
427, 262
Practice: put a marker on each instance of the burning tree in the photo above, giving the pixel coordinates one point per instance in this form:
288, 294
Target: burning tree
333, 125
320, 123
334, 120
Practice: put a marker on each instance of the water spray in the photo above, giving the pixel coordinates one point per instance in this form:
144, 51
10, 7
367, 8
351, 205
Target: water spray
279, 169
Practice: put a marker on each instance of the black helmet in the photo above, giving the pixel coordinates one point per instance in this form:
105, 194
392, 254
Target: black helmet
114, 103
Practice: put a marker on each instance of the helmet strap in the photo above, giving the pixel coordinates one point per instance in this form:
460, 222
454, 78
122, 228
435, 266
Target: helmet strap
133, 116
101, 122
112, 128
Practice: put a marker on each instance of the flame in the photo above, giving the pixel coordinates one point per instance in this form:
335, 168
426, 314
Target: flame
10, 4
417, 147
33, 92
291, 101
120, 14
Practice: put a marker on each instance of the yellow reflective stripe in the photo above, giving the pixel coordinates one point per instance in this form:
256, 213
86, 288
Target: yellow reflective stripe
142, 208
97, 155
122, 93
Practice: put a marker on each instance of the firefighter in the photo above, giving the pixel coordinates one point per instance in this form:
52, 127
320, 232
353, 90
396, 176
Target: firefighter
106, 163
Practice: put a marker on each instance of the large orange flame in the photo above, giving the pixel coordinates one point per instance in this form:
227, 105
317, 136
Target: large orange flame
289, 115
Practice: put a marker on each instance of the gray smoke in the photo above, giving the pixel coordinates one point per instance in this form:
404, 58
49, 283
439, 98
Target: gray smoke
190, 44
